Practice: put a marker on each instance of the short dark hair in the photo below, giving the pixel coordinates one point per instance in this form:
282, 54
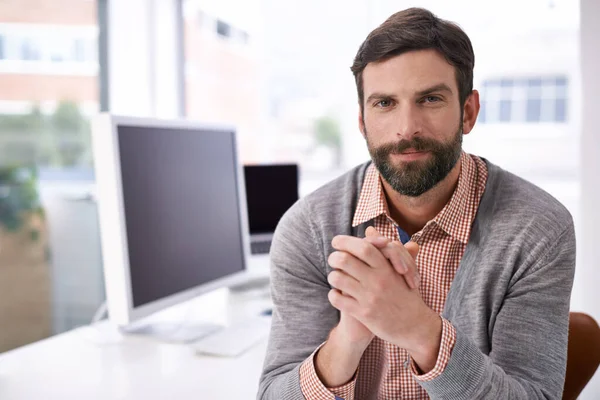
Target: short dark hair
418, 29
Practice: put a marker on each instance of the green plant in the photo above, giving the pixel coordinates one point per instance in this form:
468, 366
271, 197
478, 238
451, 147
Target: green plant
328, 133
67, 119
31, 123
19, 198
57, 139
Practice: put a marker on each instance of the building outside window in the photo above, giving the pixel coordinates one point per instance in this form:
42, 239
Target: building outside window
50, 264
223, 29
524, 100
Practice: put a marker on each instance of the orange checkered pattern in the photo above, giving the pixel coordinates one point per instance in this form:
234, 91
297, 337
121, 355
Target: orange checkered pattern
385, 370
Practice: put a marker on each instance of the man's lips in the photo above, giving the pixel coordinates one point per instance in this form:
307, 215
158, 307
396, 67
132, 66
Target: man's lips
410, 151
408, 155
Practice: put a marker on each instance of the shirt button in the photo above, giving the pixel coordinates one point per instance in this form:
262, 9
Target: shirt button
406, 363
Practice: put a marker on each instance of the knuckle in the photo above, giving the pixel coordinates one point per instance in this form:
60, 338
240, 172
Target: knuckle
396, 247
344, 258
333, 278
379, 286
370, 301
386, 251
336, 241
392, 252
333, 258
365, 250
332, 296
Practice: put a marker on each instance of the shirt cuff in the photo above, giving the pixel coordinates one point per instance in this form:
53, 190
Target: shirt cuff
446, 346
312, 387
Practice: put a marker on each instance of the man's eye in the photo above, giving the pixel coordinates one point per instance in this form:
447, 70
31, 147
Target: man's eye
383, 103
431, 99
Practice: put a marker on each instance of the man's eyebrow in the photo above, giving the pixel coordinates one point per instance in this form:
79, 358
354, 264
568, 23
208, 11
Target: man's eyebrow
442, 87
379, 96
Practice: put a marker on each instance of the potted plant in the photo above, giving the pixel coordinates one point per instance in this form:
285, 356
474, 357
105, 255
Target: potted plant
24, 273
19, 199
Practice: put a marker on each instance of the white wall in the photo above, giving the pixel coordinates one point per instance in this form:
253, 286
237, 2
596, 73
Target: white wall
526, 148
143, 71
590, 169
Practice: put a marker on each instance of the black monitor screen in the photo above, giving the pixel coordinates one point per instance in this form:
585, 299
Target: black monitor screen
270, 191
181, 208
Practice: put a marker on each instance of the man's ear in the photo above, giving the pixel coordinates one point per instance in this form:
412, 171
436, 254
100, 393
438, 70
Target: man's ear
470, 112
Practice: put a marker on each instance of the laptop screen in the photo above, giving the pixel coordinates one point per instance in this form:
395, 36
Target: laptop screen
270, 191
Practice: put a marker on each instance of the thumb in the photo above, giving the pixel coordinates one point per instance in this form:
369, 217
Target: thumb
375, 238
371, 231
413, 249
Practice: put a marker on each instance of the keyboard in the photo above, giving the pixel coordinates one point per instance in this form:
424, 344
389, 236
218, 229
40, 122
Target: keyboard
260, 247
235, 339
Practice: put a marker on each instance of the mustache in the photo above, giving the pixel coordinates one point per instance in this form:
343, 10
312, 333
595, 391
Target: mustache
417, 144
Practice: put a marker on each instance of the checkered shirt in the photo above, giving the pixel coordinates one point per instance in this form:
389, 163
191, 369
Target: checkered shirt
442, 243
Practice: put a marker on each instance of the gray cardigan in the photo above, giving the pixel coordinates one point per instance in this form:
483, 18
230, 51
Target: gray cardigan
509, 301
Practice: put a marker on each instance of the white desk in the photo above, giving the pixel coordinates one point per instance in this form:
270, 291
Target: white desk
99, 363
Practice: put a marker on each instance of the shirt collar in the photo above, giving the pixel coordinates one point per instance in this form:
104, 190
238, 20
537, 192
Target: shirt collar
372, 202
453, 219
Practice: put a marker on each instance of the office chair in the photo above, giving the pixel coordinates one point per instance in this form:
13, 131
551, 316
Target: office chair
583, 354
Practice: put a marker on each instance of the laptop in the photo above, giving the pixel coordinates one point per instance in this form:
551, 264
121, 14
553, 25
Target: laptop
270, 191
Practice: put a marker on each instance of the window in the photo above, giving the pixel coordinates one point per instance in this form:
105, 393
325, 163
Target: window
291, 95
30, 50
45, 156
223, 29
224, 72
79, 50
43, 43
529, 100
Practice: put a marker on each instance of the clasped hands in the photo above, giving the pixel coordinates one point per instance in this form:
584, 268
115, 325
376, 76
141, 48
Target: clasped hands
376, 288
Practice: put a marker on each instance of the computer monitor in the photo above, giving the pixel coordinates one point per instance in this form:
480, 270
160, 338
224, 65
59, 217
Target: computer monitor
172, 212
270, 191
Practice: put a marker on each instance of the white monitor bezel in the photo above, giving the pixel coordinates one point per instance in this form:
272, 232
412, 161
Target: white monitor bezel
112, 221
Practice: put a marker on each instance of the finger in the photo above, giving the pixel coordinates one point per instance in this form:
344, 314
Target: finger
402, 262
342, 302
413, 249
381, 242
344, 282
371, 231
378, 241
393, 253
375, 238
361, 249
399, 263
393, 256
351, 265
412, 275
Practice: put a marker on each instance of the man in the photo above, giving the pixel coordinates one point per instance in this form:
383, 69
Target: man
428, 273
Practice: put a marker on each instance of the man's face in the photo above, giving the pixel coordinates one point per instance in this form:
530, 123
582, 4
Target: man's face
412, 120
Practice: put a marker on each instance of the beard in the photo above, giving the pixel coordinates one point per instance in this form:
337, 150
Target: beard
413, 178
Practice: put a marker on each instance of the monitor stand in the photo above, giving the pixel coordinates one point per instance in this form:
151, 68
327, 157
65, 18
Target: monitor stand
175, 332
